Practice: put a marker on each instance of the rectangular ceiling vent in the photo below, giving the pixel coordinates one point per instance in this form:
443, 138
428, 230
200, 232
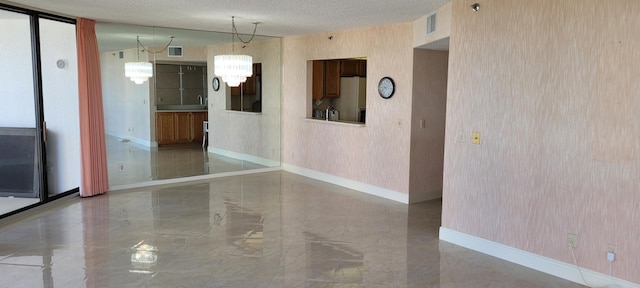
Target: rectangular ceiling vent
175, 51
431, 23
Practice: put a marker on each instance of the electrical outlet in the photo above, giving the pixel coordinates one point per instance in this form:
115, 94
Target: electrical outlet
572, 240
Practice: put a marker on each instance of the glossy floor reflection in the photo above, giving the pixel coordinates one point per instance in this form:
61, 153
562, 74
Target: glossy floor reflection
270, 229
128, 163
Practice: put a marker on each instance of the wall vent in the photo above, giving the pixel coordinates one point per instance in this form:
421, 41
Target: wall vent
121, 54
175, 51
431, 23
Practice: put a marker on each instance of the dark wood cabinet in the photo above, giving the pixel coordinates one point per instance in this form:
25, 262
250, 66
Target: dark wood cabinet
179, 127
332, 79
249, 87
326, 79
318, 80
352, 68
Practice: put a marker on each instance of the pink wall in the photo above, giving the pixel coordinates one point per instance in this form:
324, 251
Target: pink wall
552, 86
427, 142
376, 154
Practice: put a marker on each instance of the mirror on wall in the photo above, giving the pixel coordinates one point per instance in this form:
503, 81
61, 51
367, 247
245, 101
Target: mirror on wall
175, 124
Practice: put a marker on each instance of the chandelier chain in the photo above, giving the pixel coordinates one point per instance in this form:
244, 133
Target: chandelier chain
235, 31
145, 49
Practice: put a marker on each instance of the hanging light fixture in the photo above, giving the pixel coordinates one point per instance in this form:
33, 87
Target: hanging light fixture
234, 69
140, 71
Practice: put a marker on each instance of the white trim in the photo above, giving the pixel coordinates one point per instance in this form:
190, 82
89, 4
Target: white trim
337, 122
348, 183
191, 178
531, 260
242, 156
137, 141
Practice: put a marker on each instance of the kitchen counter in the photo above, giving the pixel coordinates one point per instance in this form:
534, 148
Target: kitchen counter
181, 108
339, 122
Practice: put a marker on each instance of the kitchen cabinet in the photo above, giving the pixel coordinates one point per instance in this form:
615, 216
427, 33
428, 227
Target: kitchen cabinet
318, 80
249, 87
196, 128
326, 79
179, 127
183, 127
177, 84
332, 79
352, 68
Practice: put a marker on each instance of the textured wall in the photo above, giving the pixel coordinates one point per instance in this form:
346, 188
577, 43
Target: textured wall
377, 153
127, 106
553, 88
255, 134
429, 105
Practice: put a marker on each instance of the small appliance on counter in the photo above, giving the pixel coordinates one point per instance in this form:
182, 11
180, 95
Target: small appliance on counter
318, 114
332, 114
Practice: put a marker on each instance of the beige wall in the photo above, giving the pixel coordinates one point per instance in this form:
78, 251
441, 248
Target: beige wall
428, 106
376, 154
443, 27
553, 88
249, 134
127, 106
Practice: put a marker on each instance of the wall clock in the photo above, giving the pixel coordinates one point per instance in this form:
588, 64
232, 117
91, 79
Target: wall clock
386, 87
215, 83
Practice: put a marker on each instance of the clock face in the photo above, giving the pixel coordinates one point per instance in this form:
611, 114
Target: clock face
386, 87
216, 84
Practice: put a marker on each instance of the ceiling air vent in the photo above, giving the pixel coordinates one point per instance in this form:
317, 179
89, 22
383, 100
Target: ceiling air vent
431, 23
175, 51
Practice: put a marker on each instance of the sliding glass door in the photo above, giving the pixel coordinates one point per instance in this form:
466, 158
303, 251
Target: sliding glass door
60, 104
39, 126
19, 154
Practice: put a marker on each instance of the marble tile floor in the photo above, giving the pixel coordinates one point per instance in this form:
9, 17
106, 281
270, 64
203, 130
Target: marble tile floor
128, 163
273, 229
8, 204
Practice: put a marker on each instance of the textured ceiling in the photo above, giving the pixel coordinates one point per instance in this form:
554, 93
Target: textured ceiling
277, 17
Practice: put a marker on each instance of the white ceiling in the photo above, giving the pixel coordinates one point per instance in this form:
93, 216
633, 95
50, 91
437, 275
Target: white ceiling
277, 17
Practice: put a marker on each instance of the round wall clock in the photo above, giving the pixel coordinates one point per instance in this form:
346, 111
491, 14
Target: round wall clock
215, 83
386, 87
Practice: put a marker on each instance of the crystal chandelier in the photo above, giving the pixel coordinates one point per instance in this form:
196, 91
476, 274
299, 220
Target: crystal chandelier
234, 69
140, 71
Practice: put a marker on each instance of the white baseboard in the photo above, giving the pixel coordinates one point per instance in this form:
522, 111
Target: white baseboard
348, 183
531, 260
144, 144
191, 178
245, 157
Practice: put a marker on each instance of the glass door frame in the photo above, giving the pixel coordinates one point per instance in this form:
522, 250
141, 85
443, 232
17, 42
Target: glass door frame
40, 124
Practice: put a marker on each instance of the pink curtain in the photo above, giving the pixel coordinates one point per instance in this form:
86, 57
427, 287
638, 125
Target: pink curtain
92, 140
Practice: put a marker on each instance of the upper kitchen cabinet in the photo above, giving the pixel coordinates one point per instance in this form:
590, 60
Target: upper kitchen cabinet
181, 84
251, 92
326, 79
250, 86
352, 68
